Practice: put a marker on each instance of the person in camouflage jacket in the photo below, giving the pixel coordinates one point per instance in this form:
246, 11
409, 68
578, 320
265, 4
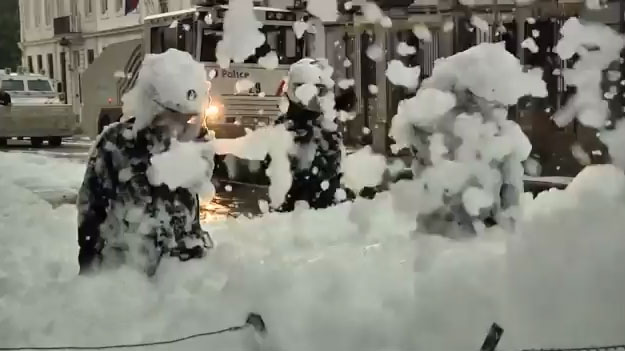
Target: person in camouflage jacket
123, 219
316, 177
316, 163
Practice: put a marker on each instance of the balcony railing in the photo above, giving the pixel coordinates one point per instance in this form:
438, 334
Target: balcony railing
66, 25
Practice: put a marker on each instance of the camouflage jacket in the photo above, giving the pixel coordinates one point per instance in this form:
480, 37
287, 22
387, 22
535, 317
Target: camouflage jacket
122, 217
317, 159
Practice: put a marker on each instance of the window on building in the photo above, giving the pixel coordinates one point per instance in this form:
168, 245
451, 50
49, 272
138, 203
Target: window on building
164, 38
104, 6
90, 56
209, 43
76, 59
48, 11
26, 13
60, 8
119, 4
74, 7
88, 7
163, 5
30, 64
37, 13
40, 64
51, 66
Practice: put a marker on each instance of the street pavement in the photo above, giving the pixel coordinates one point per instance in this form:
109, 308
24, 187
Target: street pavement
232, 199
72, 148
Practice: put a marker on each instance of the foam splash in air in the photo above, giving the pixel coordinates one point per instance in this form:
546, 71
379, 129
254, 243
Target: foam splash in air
530, 45
185, 165
242, 33
375, 52
372, 12
597, 46
399, 74
404, 49
480, 23
422, 32
269, 61
363, 168
325, 10
274, 141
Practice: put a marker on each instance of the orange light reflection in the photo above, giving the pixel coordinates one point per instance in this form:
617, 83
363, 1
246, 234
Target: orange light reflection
211, 211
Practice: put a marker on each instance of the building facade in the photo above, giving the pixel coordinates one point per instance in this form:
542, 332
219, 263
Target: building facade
61, 38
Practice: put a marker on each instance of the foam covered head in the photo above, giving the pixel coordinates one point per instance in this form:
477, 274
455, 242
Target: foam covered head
308, 79
171, 81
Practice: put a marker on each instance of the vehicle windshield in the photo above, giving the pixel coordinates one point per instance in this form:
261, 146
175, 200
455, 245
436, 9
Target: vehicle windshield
13, 85
280, 39
39, 85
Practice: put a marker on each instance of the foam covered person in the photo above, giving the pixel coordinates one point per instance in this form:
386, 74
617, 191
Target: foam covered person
124, 219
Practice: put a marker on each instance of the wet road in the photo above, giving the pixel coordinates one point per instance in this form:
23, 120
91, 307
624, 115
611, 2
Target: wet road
73, 149
232, 199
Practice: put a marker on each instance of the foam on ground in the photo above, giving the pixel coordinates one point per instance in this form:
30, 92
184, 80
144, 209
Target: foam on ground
353, 277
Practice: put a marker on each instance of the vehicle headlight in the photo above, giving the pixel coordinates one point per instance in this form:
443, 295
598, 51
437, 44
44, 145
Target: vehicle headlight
212, 112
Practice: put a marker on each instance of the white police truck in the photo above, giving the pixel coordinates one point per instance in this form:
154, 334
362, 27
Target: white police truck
36, 111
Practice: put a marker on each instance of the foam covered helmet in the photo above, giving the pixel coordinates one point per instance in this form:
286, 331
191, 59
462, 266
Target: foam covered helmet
171, 81
308, 71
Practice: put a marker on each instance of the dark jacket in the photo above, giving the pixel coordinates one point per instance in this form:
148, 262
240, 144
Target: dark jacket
316, 168
121, 216
310, 169
316, 178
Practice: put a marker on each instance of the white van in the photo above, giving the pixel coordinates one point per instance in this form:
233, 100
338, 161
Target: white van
36, 111
29, 89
